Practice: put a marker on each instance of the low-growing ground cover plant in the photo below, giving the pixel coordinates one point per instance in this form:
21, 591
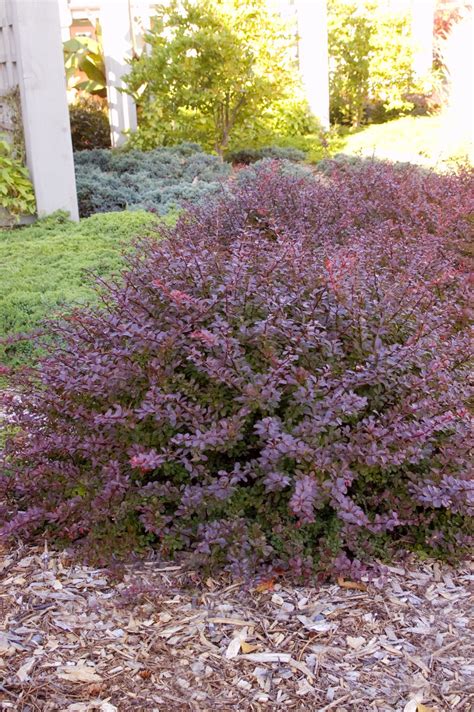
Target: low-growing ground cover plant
46, 268
280, 381
159, 181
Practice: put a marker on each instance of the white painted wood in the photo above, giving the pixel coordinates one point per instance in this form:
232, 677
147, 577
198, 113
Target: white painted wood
313, 55
65, 19
117, 41
458, 56
422, 19
41, 75
8, 69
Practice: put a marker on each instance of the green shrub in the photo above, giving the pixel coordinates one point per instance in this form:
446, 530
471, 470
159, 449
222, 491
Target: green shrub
252, 155
90, 127
315, 146
16, 191
85, 55
371, 56
158, 181
217, 69
45, 269
287, 169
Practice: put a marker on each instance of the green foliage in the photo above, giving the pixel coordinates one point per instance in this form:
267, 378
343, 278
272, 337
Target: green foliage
90, 126
85, 55
370, 53
45, 269
159, 180
213, 67
316, 146
16, 191
252, 155
391, 75
349, 33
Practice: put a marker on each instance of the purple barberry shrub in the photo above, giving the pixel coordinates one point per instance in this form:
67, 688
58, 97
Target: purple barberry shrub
281, 375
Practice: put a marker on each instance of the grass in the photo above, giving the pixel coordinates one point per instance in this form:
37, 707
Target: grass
315, 148
425, 140
46, 268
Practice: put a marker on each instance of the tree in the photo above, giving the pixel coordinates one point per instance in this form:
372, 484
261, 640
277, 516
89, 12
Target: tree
349, 32
211, 66
371, 59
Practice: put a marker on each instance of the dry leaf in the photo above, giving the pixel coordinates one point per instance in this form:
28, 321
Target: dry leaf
353, 585
165, 617
304, 688
24, 672
5, 647
168, 632
316, 626
133, 626
91, 706
298, 665
355, 643
233, 649
230, 621
248, 647
94, 689
268, 657
423, 708
267, 585
79, 673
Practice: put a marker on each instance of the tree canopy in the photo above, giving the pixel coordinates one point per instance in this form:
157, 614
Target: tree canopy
211, 66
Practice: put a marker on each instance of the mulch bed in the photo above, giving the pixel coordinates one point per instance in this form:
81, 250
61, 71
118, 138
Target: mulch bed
75, 638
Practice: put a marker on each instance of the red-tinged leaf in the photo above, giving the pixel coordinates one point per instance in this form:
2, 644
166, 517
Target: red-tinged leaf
267, 585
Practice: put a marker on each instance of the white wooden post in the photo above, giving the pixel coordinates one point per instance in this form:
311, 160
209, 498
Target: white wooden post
458, 55
45, 116
422, 19
115, 21
313, 56
65, 20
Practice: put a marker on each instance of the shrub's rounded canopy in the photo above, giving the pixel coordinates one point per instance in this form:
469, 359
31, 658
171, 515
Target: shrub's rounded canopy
282, 377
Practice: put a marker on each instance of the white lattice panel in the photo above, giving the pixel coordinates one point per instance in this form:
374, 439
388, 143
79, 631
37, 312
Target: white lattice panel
8, 68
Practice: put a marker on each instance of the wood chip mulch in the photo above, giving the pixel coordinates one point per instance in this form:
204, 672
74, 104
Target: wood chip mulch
72, 638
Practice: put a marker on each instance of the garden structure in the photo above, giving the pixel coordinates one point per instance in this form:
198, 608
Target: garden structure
33, 105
